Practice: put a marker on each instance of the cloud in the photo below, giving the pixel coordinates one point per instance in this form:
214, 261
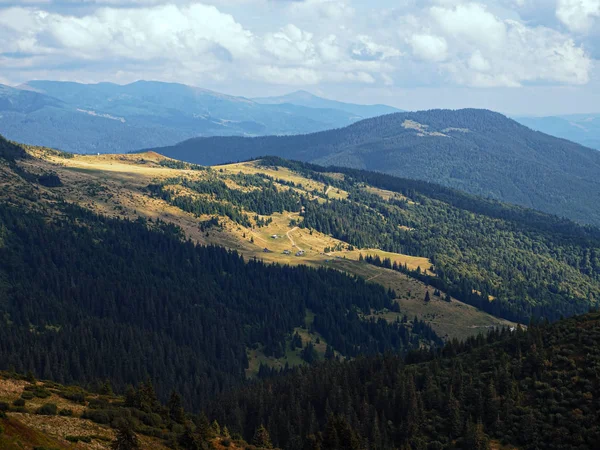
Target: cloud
233, 42
429, 47
365, 49
578, 15
164, 32
479, 48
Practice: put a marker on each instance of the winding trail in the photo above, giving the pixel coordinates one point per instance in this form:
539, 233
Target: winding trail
292, 239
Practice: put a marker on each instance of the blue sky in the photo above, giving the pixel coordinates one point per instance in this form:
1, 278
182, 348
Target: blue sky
515, 56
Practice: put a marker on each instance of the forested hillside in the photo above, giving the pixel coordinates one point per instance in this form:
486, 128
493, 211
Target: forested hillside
477, 151
86, 298
527, 390
527, 263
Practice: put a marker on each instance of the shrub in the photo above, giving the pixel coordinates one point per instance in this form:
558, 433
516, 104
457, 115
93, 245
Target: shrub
4, 406
19, 402
99, 416
42, 393
65, 412
48, 409
26, 395
226, 442
73, 394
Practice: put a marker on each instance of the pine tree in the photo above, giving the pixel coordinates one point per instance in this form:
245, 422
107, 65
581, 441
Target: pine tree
175, 406
262, 438
126, 439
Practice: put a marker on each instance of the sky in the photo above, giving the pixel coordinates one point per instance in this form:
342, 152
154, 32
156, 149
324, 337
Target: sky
520, 57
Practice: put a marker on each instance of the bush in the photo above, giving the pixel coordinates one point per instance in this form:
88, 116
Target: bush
48, 409
4, 406
19, 402
226, 442
99, 416
65, 412
42, 393
75, 395
26, 395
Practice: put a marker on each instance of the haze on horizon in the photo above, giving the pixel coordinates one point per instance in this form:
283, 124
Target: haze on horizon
537, 57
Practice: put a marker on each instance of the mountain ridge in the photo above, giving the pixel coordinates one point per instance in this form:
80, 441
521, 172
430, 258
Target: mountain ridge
305, 98
108, 117
477, 151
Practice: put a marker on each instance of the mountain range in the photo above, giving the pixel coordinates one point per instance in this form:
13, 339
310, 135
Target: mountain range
477, 151
107, 117
581, 128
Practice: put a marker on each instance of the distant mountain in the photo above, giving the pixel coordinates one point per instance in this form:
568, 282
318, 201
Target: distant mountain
581, 128
304, 98
477, 151
107, 117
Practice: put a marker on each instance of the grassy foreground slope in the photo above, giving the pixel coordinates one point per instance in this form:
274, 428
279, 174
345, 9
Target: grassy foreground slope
36, 415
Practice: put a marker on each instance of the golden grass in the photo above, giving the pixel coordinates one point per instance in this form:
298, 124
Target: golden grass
448, 320
28, 429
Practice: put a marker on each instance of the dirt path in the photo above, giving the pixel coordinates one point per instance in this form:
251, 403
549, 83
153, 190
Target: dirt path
373, 277
327, 191
292, 239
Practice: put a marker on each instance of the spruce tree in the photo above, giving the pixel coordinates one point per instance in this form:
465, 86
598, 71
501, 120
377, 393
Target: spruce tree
126, 439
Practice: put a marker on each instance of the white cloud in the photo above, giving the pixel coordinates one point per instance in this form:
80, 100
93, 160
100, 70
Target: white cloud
578, 15
366, 49
291, 44
429, 47
310, 42
166, 32
477, 46
471, 22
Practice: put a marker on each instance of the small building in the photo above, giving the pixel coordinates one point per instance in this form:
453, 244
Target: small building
274, 236
287, 252
300, 253
266, 250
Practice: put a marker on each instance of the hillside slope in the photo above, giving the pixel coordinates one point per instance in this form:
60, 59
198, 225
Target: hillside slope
107, 117
476, 151
39, 415
526, 390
